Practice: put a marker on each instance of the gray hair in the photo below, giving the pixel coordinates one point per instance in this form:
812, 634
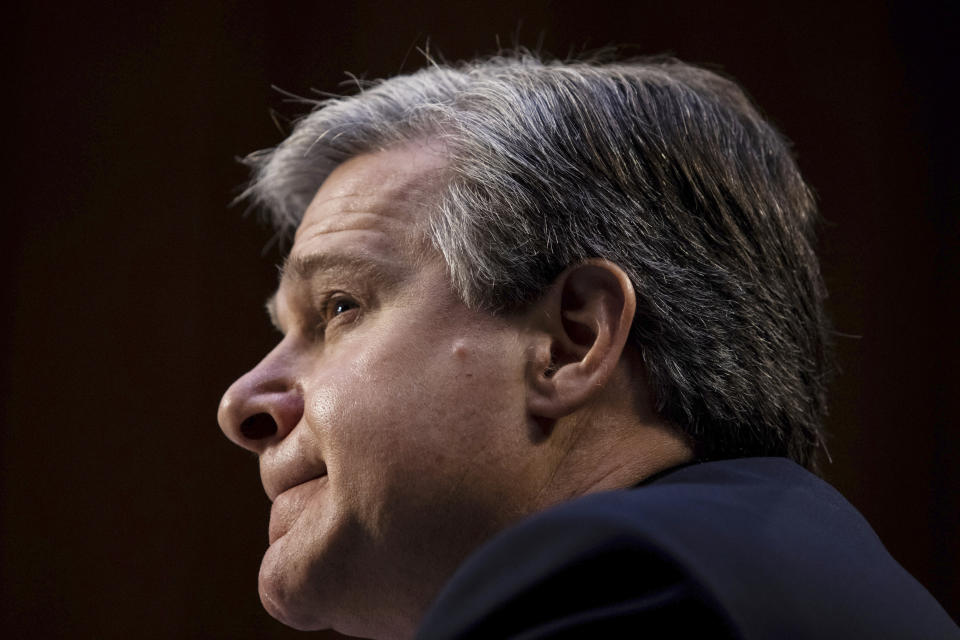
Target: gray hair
663, 168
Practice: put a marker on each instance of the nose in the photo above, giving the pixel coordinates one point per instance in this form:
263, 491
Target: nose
262, 406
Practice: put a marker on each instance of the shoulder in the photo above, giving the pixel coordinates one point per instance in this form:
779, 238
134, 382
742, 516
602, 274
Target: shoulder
741, 548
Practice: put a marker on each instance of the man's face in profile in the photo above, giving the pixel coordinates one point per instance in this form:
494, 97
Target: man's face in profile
390, 420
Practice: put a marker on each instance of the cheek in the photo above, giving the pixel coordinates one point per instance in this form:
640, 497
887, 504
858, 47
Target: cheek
414, 413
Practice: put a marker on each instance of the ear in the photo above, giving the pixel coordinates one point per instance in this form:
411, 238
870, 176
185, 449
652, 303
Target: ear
581, 327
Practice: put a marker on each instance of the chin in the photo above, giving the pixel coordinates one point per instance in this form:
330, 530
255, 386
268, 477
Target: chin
281, 594
289, 597
316, 590
302, 609
289, 616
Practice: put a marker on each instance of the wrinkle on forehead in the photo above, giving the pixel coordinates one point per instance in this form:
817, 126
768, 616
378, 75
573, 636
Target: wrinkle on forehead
399, 184
362, 221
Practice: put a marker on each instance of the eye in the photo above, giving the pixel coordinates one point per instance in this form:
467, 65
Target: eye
334, 309
337, 305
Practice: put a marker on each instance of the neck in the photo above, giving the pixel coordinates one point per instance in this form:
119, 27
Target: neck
596, 455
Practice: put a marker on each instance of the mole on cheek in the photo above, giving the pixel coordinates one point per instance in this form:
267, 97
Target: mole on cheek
460, 350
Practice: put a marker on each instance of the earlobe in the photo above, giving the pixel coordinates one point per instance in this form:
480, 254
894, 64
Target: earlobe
582, 325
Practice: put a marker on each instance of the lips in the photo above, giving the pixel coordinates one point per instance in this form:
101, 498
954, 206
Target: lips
289, 504
282, 478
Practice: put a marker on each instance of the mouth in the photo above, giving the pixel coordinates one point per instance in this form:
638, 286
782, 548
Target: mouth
279, 483
290, 504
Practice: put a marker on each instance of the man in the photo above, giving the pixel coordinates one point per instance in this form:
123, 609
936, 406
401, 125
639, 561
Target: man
552, 364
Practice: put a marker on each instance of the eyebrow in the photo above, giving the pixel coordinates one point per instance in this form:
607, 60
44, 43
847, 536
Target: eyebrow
304, 267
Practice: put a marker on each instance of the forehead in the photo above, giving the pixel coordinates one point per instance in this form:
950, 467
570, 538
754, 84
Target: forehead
368, 216
390, 189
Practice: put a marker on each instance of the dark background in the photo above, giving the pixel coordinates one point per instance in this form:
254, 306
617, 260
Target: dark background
132, 293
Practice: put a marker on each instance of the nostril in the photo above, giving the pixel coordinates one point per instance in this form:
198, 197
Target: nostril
258, 426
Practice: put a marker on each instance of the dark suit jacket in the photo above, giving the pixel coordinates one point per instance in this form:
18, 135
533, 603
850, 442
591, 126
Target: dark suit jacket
747, 548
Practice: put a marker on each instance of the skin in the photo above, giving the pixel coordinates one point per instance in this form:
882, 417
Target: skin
398, 429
